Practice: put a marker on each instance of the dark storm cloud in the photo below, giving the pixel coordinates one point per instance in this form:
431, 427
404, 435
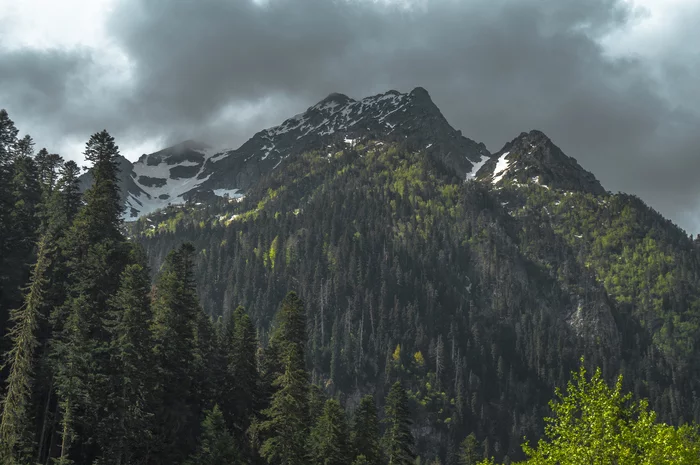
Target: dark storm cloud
226, 68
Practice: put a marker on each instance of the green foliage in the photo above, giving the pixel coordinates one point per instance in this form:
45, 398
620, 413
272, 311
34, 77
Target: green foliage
17, 441
129, 423
365, 432
594, 423
398, 440
328, 439
286, 420
216, 445
469, 451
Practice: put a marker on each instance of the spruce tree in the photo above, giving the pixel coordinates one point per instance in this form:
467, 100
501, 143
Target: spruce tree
129, 425
360, 460
398, 440
286, 420
469, 451
244, 368
289, 328
96, 254
17, 441
21, 231
216, 446
365, 431
175, 318
329, 437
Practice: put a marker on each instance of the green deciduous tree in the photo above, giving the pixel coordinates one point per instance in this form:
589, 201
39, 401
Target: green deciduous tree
594, 423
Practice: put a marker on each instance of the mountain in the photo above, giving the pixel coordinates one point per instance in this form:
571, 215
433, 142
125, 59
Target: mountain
533, 156
192, 170
477, 281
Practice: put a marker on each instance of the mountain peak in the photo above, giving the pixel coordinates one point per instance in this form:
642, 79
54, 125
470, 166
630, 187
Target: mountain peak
333, 100
192, 170
532, 156
420, 94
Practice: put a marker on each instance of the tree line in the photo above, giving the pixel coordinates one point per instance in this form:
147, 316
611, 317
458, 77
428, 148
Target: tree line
106, 365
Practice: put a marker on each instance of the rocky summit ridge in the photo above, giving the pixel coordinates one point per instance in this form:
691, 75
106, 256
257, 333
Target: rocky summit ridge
193, 171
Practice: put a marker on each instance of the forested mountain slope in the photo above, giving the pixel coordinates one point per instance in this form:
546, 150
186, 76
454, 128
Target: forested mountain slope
456, 288
480, 295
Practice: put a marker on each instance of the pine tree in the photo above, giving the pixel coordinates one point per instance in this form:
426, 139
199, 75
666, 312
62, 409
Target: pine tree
398, 440
329, 437
469, 453
129, 424
365, 431
175, 318
8, 143
290, 326
16, 425
216, 446
286, 423
289, 329
360, 460
69, 198
96, 254
243, 366
22, 228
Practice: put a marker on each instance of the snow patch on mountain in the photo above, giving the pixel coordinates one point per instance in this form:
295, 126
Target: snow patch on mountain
169, 191
230, 193
502, 166
477, 166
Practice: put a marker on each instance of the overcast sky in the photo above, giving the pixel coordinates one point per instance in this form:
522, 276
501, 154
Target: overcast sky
613, 83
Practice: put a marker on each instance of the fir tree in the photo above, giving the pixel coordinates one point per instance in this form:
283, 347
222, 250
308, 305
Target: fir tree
16, 425
290, 328
469, 453
175, 318
329, 437
129, 424
360, 460
96, 254
216, 446
365, 431
286, 424
22, 228
243, 366
398, 440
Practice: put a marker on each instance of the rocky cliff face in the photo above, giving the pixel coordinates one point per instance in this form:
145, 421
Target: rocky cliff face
533, 157
193, 171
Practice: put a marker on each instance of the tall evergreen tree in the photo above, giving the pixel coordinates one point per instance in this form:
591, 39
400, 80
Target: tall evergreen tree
129, 424
22, 229
175, 318
17, 441
329, 437
97, 253
398, 440
365, 431
216, 446
289, 328
286, 424
469, 451
244, 368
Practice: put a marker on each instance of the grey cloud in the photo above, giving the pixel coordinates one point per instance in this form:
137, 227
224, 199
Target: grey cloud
495, 68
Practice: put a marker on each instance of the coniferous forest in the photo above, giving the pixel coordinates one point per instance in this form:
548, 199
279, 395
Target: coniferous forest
361, 308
